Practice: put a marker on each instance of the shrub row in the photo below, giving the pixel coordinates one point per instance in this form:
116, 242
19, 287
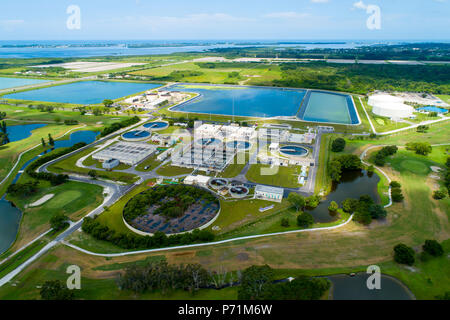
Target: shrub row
131, 241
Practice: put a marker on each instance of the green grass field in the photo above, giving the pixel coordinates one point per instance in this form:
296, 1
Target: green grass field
286, 177
171, 171
74, 199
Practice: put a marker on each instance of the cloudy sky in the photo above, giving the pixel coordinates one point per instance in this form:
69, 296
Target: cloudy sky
226, 19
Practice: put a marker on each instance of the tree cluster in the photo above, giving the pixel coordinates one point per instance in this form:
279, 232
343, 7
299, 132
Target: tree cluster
364, 209
345, 162
422, 148
380, 156
338, 145
257, 283
163, 277
119, 125
133, 241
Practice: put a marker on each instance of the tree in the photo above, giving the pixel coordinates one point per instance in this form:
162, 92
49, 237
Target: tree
350, 205
396, 194
58, 221
334, 170
55, 290
363, 217
285, 222
433, 248
4, 127
305, 220
92, 174
439, 195
338, 145
395, 184
50, 140
377, 211
108, 103
404, 254
254, 281
422, 148
43, 142
333, 206
312, 201
296, 200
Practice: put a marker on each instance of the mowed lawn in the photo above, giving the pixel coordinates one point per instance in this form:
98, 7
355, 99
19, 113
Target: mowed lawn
73, 199
286, 177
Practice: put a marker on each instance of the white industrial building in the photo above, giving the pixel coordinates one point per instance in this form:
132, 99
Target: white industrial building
130, 153
386, 105
197, 180
269, 193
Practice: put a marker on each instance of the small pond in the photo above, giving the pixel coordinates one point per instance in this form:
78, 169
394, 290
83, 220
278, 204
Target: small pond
345, 287
353, 185
23, 131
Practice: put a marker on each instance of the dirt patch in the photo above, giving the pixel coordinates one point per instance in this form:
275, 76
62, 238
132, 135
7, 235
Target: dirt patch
242, 256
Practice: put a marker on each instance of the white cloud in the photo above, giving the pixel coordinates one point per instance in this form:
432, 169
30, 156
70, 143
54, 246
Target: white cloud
286, 15
319, 1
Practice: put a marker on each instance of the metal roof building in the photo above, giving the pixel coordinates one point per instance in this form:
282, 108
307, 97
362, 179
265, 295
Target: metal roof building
129, 153
269, 193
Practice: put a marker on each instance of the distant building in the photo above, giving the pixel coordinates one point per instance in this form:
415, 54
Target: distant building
269, 193
110, 164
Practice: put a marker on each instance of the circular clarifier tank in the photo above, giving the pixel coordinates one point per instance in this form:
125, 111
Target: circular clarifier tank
218, 183
294, 151
157, 125
209, 142
136, 135
238, 144
238, 191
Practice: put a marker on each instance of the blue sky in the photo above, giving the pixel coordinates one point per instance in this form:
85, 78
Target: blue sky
230, 19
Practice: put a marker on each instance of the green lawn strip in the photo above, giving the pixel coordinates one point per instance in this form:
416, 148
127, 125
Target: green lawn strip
23, 113
444, 97
69, 166
323, 181
234, 214
272, 224
150, 162
88, 242
286, 177
170, 171
21, 257
234, 168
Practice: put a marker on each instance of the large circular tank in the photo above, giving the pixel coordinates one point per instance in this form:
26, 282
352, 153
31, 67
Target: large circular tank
218, 183
238, 191
136, 135
157, 125
293, 151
